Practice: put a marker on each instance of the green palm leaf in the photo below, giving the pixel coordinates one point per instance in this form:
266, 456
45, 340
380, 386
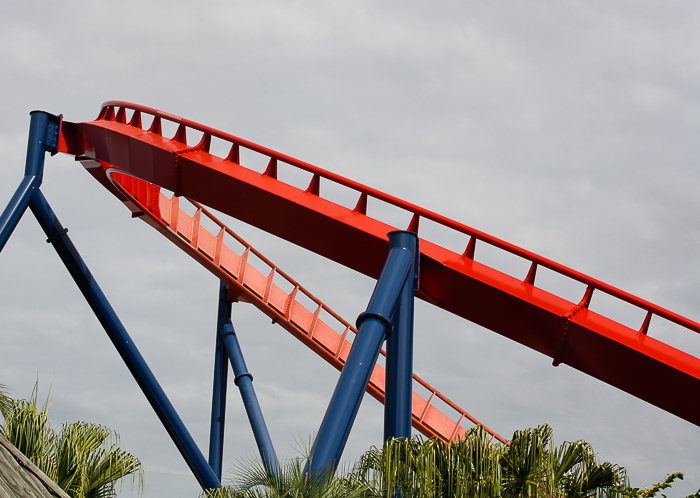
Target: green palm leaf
83, 458
431, 468
27, 427
89, 462
253, 480
5, 401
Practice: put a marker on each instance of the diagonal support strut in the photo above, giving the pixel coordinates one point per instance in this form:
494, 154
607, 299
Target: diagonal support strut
373, 325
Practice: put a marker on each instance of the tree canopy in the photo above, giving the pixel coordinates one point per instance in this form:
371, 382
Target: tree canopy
475, 466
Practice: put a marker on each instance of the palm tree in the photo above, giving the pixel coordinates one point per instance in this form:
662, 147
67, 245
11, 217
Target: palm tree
474, 466
223, 492
630, 492
251, 479
433, 468
27, 427
89, 462
532, 467
84, 459
5, 400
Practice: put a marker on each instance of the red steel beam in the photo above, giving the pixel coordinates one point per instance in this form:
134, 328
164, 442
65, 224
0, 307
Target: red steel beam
565, 331
247, 283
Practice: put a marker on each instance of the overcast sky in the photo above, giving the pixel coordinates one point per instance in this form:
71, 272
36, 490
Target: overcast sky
568, 128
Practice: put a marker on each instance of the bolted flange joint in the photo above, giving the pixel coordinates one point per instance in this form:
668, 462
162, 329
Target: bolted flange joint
371, 315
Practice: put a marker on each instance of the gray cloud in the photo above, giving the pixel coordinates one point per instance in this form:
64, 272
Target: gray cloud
568, 128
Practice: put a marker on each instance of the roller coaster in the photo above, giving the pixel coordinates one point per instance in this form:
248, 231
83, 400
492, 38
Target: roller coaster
174, 183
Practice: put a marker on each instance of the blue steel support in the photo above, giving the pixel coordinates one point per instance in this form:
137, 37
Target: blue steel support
218, 401
244, 380
120, 338
373, 326
44, 130
399, 353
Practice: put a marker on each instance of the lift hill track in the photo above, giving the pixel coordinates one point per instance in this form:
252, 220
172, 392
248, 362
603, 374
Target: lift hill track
568, 332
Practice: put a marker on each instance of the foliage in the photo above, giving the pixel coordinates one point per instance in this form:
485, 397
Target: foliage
474, 466
431, 468
531, 466
629, 492
251, 479
89, 461
84, 459
5, 400
27, 427
223, 492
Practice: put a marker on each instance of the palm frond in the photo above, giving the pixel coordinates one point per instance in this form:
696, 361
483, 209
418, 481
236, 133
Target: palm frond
83, 458
252, 480
430, 468
223, 492
526, 463
5, 401
27, 428
90, 462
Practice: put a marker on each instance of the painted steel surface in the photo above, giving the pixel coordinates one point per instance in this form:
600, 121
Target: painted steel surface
373, 326
218, 396
262, 284
244, 380
399, 350
122, 342
568, 332
44, 137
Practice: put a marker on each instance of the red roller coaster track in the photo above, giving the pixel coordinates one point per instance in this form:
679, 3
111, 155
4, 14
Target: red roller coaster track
263, 284
568, 332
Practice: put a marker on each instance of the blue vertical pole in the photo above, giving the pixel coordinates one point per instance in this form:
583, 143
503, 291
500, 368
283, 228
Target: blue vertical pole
373, 326
124, 344
399, 354
244, 380
218, 402
44, 129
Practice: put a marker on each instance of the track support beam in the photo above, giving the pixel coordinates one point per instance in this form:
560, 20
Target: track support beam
44, 132
44, 129
399, 352
125, 346
218, 400
244, 380
398, 274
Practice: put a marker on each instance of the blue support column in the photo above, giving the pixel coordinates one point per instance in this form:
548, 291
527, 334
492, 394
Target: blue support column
373, 326
218, 402
44, 133
398, 399
244, 380
44, 129
124, 344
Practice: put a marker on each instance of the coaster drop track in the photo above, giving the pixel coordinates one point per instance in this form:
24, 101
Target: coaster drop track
135, 161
